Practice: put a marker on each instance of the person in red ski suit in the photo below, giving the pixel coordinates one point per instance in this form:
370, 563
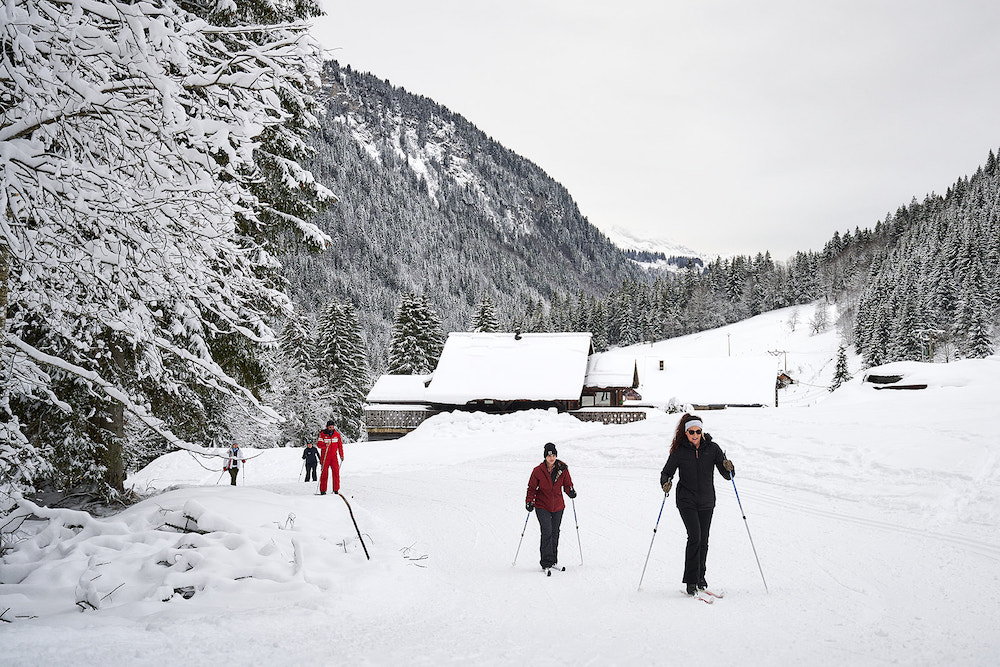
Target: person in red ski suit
331, 446
545, 487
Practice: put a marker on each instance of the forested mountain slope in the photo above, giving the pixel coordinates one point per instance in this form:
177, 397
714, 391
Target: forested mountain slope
430, 204
932, 288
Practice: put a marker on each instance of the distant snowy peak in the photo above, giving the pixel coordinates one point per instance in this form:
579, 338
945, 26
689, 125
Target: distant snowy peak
655, 253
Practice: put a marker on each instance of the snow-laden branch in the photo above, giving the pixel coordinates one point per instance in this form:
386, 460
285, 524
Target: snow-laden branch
131, 207
110, 390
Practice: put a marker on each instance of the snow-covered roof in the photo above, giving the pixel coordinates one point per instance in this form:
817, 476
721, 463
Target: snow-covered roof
500, 366
743, 380
398, 389
610, 370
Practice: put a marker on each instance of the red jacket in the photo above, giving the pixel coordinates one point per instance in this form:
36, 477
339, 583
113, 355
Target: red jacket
330, 441
545, 493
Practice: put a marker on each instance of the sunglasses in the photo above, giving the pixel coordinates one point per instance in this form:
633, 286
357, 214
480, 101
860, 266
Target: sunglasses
694, 432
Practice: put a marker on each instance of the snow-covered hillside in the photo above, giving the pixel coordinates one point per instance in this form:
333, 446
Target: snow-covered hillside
873, 513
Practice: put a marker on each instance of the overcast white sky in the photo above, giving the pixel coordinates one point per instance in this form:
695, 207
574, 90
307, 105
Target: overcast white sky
729, 126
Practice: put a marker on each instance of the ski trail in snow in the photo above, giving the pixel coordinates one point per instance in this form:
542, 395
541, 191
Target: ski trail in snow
981, 547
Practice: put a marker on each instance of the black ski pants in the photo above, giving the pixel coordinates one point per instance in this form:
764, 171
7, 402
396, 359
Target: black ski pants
233, 472
311, 470
549, 523
697, 523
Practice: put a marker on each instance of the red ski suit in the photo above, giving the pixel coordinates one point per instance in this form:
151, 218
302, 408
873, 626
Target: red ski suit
330, 445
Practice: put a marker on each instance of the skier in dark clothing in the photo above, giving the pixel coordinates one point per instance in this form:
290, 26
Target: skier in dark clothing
545, 487
233, 460
693, 455
311, 456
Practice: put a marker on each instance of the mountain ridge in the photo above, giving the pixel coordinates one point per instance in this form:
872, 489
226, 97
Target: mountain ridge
429, 204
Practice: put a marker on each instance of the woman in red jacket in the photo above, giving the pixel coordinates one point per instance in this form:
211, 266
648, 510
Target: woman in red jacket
545, 487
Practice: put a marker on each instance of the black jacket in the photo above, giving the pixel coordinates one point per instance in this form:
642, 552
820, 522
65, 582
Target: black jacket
311, 455
695, 484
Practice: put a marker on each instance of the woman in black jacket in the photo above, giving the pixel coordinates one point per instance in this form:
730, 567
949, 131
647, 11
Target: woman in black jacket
693, 455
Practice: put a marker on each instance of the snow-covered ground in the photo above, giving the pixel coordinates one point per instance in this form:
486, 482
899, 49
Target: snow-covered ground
874, 514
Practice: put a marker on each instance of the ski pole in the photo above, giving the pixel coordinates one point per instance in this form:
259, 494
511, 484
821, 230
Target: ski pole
749, 535
358, 530
220, 477
573, 500
651, 541
301, 469
522, 539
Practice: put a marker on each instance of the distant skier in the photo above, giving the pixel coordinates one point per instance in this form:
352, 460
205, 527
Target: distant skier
311, 456
693, 454
233, 462
545, 489
331, 446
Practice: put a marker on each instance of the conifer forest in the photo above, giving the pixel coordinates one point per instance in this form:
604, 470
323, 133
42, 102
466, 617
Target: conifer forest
191, 262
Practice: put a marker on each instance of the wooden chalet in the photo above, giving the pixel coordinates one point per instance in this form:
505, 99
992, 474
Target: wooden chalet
501, 373
608, 379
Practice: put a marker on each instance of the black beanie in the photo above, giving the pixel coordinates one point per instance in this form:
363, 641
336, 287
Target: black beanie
549, 449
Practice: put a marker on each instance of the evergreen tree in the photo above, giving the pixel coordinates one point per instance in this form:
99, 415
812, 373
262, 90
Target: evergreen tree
980, 343
841, 374
417, 338
138, 244
484, 320
405, 354
343, 367
432, 335
297, 391
297, 343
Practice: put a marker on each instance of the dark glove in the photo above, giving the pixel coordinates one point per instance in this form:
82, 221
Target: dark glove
667, 485
530, 507
571, 492
728, 465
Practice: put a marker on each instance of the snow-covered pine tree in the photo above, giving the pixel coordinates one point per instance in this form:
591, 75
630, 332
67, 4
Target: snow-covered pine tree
417, 338
139, 267
980, 340
841, 373
343, 367
599, 327
298, 344
905, 342
484, 319
970, 321
297, 392
405, 355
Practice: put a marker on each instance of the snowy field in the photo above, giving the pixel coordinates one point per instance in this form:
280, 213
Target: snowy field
874, 515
